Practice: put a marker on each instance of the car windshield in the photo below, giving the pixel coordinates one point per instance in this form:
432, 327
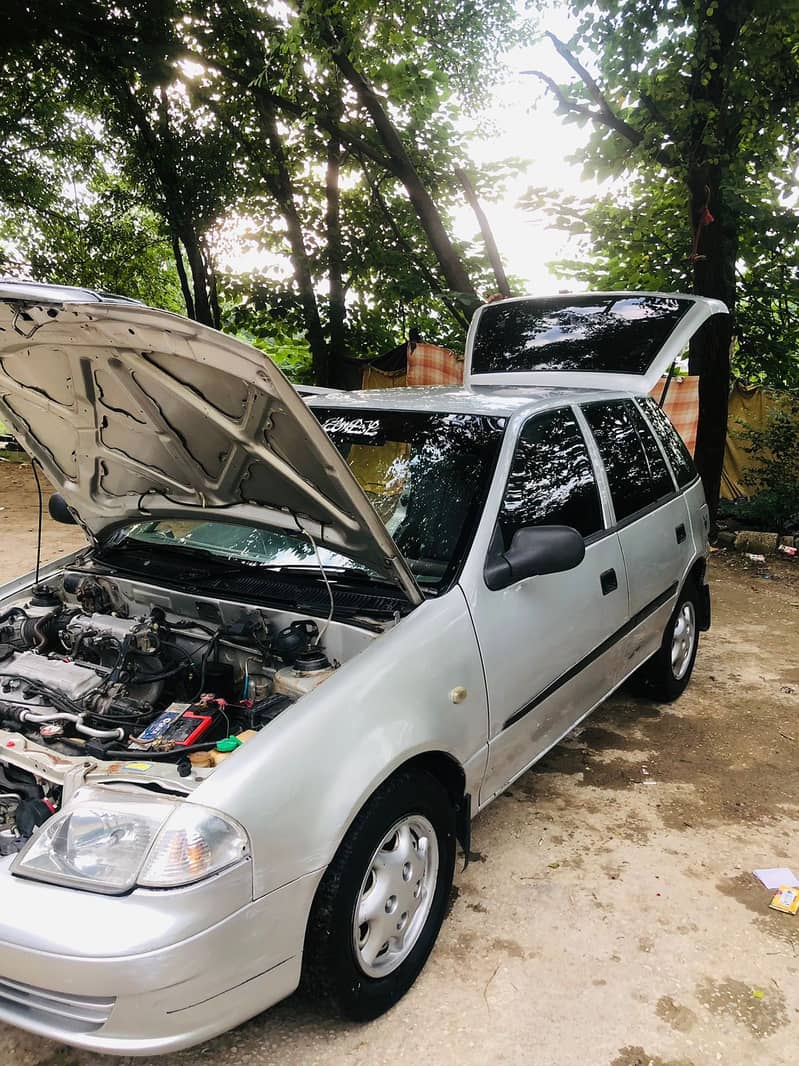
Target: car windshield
231, 541
426, 475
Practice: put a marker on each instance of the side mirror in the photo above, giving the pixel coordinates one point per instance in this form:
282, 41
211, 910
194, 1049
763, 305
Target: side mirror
533, 550
59, 510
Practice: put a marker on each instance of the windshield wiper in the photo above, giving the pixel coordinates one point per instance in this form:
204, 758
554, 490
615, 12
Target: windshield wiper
345, 573
146, 550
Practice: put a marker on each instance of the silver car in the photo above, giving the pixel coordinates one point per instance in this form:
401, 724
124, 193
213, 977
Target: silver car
243, 732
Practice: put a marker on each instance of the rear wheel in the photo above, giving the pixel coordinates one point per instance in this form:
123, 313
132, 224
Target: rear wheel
665, 676
381, 903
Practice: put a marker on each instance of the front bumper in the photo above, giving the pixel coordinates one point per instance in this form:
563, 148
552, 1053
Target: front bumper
158, 998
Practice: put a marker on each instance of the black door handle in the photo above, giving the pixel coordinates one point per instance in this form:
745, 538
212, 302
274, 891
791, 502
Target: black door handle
680, 531
608, 581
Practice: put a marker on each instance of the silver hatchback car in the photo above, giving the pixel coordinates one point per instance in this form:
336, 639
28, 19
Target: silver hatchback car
244, 730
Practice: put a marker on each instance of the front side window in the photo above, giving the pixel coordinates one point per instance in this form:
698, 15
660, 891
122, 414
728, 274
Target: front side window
680, 458
637, 473
551, 481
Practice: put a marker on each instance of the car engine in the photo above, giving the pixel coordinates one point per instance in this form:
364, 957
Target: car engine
81, 677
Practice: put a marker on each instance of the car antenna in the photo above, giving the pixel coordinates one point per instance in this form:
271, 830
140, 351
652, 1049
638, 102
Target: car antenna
39, 529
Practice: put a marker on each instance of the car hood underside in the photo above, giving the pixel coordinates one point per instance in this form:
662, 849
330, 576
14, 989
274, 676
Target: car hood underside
134, 412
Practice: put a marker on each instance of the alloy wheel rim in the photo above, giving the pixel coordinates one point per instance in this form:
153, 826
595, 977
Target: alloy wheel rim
396, 896
683, 638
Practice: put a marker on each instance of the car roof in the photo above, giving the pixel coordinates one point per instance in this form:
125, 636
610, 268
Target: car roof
500, 401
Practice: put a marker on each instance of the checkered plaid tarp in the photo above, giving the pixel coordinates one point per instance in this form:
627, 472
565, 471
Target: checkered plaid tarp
428, 364
682, 406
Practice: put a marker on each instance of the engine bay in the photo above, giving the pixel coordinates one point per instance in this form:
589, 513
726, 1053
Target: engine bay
106, 677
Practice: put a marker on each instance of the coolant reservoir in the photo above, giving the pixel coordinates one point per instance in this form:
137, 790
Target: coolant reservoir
310, 669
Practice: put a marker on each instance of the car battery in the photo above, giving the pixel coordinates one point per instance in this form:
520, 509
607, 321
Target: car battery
180, 726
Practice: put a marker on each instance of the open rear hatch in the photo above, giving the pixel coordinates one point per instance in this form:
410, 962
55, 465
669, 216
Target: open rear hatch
595, 340
136, 412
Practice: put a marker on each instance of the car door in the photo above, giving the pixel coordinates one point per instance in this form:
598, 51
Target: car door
651, 519
545, 640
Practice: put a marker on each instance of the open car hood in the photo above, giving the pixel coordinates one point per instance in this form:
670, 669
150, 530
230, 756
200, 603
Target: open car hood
134, 412
591, 340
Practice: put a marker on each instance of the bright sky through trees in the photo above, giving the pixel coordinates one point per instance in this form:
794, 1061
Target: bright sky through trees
521, 123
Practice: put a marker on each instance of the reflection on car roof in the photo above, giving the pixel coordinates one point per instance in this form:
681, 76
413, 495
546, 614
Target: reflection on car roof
501, 401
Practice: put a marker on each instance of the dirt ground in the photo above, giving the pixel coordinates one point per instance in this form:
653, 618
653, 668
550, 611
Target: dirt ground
609, 916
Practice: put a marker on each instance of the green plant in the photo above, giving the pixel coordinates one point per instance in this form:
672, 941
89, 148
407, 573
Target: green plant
774, 473
289, 351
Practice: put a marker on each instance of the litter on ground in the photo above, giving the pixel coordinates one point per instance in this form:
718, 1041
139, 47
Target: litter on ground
786, 900
776, 877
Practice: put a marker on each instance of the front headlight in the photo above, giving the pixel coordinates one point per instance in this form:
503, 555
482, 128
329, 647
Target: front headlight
108, 841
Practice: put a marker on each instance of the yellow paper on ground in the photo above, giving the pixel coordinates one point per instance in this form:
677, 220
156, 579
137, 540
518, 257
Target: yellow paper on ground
786, 900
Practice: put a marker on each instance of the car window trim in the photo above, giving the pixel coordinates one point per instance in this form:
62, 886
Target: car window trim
642, 513
601, 475
653, 504
589, 443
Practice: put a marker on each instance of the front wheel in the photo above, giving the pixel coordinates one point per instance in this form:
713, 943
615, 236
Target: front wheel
665, 676
381, 903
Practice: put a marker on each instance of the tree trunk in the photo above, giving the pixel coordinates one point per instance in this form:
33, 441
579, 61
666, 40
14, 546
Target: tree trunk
452, 267
715, 244
156, 148
213, 291
281, 186
184, 281
277, 178
199, 275
503, 288
458, 314
335, 256
714, 275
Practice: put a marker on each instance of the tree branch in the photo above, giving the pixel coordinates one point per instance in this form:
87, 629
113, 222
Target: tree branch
657, 115
593, 89
289, 107
563, 101
605, 115
414, 260
485, 229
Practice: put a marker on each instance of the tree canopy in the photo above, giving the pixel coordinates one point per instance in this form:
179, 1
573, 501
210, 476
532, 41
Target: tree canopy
325, 132
290, 170
694, 106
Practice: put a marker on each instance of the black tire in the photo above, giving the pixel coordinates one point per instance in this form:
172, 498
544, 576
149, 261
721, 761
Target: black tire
331, 967
657, 678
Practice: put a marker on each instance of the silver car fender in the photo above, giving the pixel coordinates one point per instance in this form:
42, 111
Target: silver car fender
299, 784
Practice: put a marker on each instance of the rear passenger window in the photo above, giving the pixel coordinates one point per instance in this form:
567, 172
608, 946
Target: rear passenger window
680, 458
637, 473
552, 481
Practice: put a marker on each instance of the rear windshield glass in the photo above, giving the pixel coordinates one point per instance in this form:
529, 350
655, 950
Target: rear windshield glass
612, 335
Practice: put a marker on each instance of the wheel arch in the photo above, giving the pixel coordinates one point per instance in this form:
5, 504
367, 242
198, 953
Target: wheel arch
696, 575
447, 770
